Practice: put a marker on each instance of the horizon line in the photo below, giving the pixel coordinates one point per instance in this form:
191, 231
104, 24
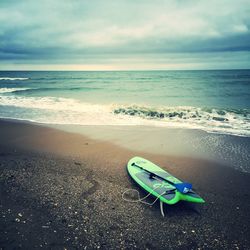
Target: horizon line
119, 70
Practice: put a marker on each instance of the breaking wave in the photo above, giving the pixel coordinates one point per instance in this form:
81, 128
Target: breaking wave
60, 110
229, 121
12, 90
14, 78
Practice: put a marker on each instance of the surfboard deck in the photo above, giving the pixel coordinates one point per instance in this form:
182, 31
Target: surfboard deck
166, 192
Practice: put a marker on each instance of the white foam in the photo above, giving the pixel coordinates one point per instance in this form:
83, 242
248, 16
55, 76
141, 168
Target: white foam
229, 122
57, 110
48, 103
10, 90
14, 78
66, 111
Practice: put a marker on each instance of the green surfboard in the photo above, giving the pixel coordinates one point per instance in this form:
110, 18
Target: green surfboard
159, 182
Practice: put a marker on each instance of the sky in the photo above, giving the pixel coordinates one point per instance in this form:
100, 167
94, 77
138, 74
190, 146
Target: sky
124, 34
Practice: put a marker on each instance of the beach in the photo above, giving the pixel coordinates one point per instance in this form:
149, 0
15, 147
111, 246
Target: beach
63, 190
124, 125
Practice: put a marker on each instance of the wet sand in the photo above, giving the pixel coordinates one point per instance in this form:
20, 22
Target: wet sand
63, 190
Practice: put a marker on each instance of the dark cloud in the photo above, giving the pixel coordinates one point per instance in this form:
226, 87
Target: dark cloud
84, 31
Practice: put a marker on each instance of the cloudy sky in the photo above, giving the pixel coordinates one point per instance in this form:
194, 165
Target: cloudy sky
124, 34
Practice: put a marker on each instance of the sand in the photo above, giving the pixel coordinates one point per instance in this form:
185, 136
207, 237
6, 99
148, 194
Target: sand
64, 190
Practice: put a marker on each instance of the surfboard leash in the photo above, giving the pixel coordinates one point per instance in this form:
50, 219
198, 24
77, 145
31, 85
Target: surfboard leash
141, 199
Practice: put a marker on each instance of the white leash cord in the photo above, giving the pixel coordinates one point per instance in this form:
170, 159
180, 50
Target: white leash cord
141, 200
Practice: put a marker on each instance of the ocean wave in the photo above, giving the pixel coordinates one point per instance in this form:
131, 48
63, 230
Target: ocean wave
70, 111
14, 78
49, 103
229, 121
181, 112
66, 88
12, 90
35, 90
58, 110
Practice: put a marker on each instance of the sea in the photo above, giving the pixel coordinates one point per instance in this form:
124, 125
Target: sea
216, 101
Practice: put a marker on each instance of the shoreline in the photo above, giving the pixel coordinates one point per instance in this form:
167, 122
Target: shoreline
229, 150
60, 126
61, 189
225, 149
